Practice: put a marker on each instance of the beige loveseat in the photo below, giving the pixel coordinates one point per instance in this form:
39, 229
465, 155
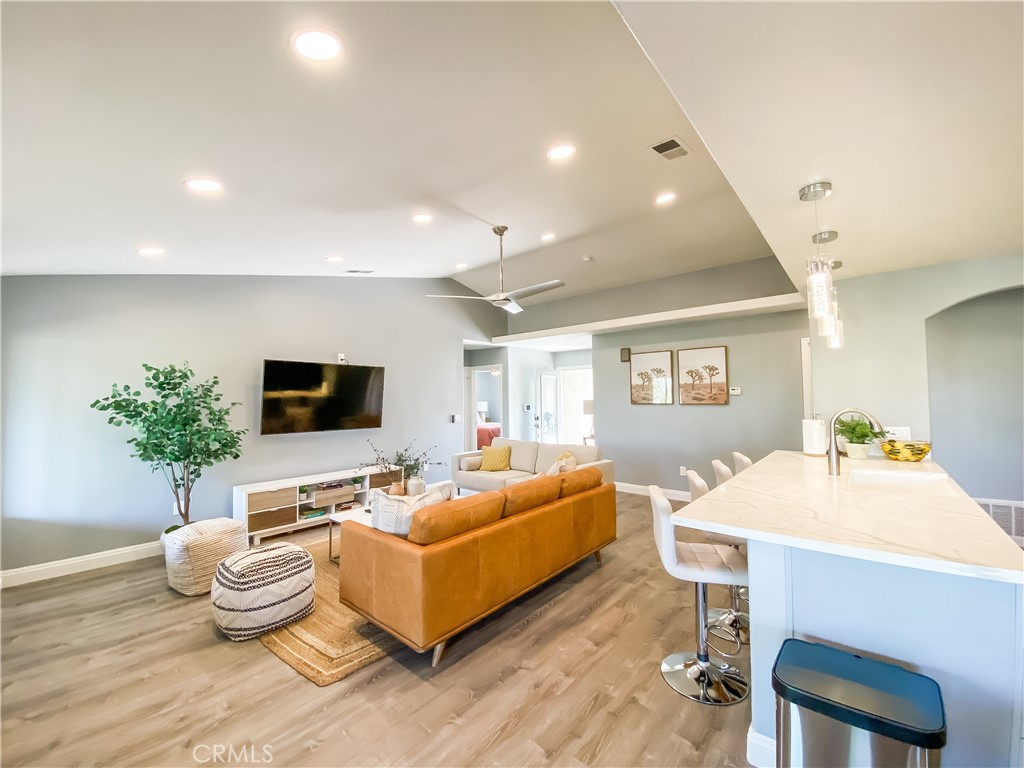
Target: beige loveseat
529, 459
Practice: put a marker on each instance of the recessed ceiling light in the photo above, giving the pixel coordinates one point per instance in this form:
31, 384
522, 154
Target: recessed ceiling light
316, 44
561, 152
548, 237
461, 266
151, 251
423, 218
665, 198
334, 259
203, 185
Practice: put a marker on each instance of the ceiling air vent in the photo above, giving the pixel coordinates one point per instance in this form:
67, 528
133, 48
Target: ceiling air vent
358, 272
672, 148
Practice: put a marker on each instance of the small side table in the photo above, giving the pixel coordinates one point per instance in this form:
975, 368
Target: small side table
359, 515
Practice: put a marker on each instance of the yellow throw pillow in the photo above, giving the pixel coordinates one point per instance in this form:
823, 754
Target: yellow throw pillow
496, 459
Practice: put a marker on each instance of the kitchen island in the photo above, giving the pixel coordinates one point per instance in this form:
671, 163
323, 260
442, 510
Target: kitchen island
889, 559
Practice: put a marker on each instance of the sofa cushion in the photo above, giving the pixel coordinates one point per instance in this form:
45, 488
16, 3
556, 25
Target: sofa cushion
524, 454
489, 481
495, 459
579, 480
548, 453
527, 495
450, 518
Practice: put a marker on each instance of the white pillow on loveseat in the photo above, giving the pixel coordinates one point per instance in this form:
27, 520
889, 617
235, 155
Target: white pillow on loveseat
393, 514
566, 464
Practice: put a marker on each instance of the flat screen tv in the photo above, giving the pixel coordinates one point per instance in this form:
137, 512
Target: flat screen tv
319, 397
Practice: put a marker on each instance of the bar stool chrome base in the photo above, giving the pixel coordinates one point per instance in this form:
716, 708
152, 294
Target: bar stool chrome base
714, 681
737, 622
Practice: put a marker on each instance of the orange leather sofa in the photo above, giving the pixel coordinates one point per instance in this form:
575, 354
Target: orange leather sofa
467, 557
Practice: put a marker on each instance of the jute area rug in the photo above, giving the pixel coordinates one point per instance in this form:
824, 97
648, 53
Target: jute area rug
333, 641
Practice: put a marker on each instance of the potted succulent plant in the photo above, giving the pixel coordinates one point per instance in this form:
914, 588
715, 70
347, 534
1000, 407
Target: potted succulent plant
858, 435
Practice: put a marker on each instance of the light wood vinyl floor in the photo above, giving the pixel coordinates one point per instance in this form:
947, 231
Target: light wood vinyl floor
113, 668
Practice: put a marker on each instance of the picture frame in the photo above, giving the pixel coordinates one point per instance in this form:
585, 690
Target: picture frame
703, 375
650, 378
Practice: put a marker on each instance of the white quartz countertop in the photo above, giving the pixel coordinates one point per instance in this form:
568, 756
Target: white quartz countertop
902, 513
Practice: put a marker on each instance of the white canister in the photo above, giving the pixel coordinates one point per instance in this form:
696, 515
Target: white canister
815, 437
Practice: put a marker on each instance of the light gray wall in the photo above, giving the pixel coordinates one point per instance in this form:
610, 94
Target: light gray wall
573, 359
976, 393
883, 367
650, 442
523, 365
71, 488
732, 282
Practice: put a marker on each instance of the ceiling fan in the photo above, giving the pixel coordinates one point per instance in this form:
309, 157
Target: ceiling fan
507, 299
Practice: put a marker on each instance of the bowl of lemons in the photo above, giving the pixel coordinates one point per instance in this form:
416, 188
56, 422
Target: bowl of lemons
905, 450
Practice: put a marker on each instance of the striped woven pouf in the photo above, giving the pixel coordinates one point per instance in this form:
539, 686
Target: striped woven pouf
262, 589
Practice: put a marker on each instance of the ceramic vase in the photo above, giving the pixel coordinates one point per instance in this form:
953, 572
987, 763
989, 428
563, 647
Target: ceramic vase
415, 486
397, 489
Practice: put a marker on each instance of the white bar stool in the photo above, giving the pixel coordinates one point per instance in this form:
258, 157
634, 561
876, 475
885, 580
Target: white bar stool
699, 676
733, 617
722, 471
741, 462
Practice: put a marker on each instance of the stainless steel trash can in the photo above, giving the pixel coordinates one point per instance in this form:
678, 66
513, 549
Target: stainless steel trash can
834, 708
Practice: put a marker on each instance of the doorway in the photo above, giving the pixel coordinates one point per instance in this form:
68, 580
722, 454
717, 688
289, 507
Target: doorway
483, 412
564, 397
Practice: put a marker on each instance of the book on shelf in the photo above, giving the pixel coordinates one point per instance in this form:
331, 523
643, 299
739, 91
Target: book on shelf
313, 513
345, 505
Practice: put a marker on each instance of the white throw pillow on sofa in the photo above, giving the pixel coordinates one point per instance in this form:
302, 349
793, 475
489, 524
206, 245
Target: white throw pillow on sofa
562, 465
393, 514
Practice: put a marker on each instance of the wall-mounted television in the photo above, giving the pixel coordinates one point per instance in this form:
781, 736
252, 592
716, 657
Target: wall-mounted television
320, 397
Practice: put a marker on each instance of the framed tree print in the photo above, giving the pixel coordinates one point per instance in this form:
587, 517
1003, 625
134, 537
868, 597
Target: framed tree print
703, 376
650, 378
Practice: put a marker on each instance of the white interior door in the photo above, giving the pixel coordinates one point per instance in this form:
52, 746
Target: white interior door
546, 418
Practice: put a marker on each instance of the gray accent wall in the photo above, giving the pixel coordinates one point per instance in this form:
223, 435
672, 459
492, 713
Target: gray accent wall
732, 282
976, 393
649, 442
883, 365
70, 486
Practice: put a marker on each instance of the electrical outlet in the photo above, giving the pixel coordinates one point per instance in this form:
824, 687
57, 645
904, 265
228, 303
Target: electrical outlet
735, 390
682, 471
341, 358
900, 433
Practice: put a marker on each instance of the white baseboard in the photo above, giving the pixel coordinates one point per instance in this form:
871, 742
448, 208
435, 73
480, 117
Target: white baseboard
641, 490
760, 749
16, 576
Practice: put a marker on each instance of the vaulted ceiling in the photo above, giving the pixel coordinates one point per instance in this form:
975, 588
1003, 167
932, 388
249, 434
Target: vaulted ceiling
912, 110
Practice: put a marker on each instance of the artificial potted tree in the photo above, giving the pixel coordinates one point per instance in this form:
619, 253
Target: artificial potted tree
859, 436
181, 427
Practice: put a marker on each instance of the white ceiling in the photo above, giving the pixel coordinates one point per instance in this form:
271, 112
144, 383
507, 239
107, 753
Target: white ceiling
912, 110
441, 107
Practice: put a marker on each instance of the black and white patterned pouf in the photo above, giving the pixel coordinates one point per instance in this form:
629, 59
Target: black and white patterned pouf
262, 589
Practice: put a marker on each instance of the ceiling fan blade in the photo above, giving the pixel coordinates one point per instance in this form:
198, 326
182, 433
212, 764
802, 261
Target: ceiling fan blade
508, 305
436, 296
533, 290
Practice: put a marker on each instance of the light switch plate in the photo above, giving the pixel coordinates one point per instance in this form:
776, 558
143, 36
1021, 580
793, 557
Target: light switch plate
735, 390
682, 471
900, 433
